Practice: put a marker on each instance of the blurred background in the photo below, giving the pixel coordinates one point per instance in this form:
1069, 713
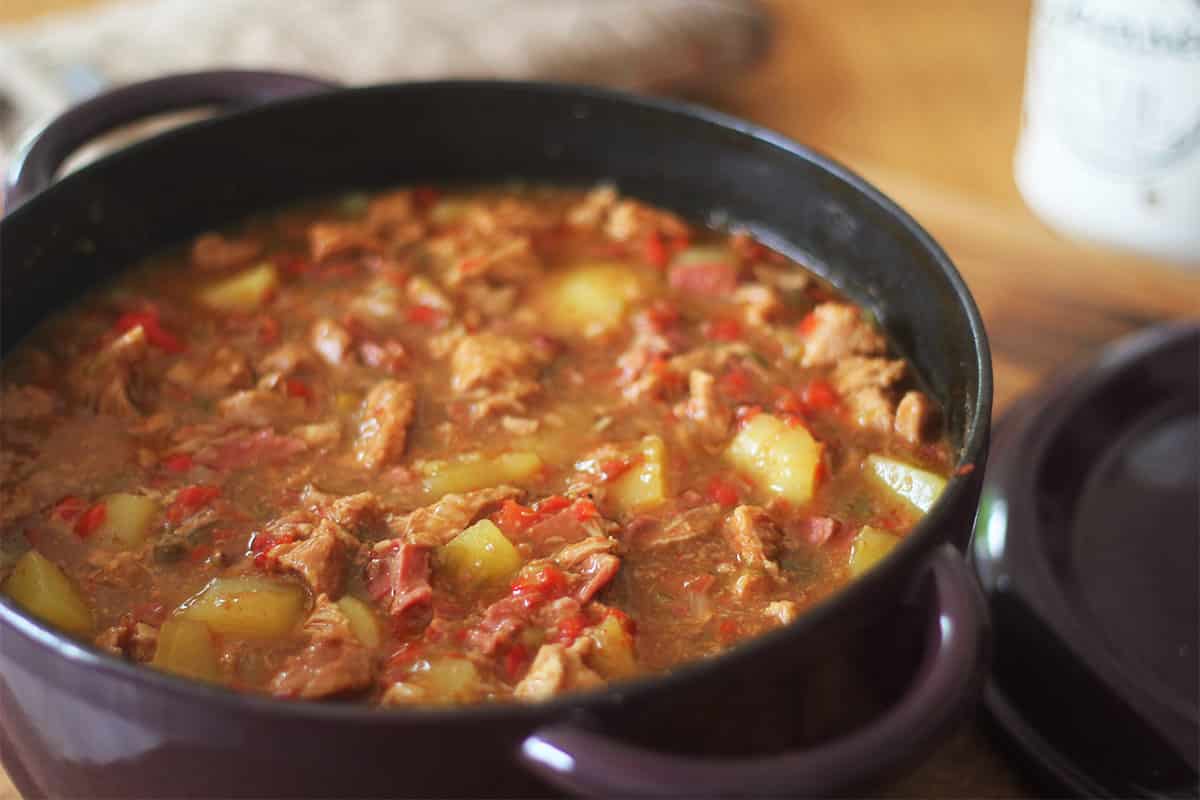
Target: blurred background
924, 98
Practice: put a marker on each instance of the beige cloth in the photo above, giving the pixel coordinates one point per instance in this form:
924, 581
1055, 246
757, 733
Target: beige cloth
633, 44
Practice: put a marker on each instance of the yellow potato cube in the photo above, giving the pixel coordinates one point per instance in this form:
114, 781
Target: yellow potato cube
444, 477
363, 622
449, 680
869, 547
918, 487
479, 556
185, 647
127, 520
247, 606
613, 655
242, 293
591, 298
644, 485
778, 458
41, 588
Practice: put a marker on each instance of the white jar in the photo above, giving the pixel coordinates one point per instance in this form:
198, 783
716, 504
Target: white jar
1110, 134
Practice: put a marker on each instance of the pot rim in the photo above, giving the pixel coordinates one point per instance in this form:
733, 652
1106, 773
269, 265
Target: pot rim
912, 549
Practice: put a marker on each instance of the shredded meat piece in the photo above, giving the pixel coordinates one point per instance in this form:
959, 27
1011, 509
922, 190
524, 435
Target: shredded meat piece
783, 610
129, 639
335, 662
838, 330
502, 620
872, 408
26, 402
398, 576
437, 524
287, 359
558, 669
710, 278
329, 239
387, 411
394, 214
498, 372
105, 384
818, 530
597, 571
424, 292
854, 373
754, 536
710, 418
500, 259
254, 407
577, 552
785, 279
760, 303
330, 340
915, 418
212, 251
630, 220
224, 369
361, 514
690, 524
320, 559
593, 209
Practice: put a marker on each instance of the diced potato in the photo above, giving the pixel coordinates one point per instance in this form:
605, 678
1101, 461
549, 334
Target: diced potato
41, 588
243, 292
127, 519
444, 477
917, 486
779, 458
644, 485
705, 254
591, 298
447, 212
479, 556
363, 621
185, 647
613, 655
449, 680
869, 547
247, 606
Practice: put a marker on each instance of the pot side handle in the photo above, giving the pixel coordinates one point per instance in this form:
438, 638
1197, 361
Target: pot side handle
37, 161
946, 684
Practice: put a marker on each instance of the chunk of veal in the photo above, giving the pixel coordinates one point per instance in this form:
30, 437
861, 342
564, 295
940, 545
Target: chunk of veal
386, 413
334, 662
780, 459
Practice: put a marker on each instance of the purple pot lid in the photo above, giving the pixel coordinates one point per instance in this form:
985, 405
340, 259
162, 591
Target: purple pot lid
1087, 546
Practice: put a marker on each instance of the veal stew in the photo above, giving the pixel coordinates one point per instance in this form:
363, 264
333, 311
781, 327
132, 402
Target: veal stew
440, 447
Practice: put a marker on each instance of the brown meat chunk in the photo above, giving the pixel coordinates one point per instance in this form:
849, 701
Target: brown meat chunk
785, 611
629, 220
330, 340
136, 641
872, 408
853, 373
106, 383
224, 369
709, 417
489, 360
557, 669
760, 304
398, 576
334, 663
690, 524
436, 524
320, 559
596, 571
287, 359
593, 209
254, 407
837, 330
212, 251
26, 402
753, 535
502, 620
361, 514
387, 411
916, 417
329, 239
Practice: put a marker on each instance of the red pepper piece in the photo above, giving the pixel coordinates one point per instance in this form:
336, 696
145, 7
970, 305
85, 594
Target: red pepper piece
725, 330
90, 520
179, 462
426, 315
189, 500
156, 335
819, 395
722, 491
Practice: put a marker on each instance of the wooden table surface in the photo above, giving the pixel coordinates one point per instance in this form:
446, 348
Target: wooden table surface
923, 99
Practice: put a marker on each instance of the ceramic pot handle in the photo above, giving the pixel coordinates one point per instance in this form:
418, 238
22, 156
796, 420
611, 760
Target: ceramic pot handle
946, 684
38, 160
